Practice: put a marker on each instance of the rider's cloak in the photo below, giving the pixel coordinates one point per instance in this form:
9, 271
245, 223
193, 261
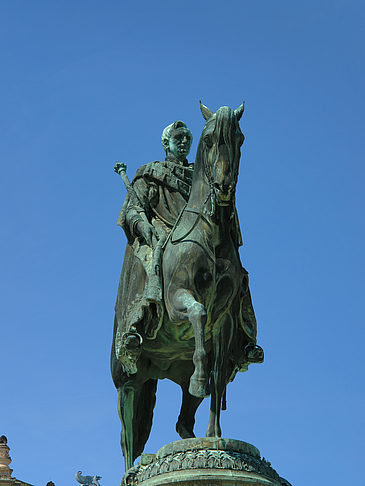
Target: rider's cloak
162, 190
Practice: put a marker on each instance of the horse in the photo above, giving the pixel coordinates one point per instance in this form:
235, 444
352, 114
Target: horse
208, 331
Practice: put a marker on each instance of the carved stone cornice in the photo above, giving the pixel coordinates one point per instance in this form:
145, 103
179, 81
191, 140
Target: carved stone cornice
208, 457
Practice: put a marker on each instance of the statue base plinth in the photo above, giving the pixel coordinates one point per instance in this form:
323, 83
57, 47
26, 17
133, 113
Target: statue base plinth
204, 461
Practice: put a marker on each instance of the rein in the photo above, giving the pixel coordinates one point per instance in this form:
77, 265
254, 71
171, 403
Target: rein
200, 213
203, 210
185, 209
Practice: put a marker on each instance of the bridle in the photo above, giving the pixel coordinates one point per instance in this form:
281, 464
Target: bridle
201, 214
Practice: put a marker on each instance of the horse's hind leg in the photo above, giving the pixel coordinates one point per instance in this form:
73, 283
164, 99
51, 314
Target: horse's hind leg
125, 410
186, 420
197, 315
221, 370
136, 401
214, 429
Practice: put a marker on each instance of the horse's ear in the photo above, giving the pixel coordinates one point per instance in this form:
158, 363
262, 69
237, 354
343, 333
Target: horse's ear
205, 111
239, 111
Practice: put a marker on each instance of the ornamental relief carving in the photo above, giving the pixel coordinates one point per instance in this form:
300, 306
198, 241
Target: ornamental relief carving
202, 459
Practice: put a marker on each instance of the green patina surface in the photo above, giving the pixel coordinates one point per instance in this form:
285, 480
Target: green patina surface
183, 309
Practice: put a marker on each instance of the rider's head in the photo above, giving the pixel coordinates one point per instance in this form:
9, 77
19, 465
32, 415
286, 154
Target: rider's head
176, 140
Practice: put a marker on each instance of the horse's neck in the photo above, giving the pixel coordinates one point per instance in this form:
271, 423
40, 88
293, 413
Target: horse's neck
202, 200
200, 188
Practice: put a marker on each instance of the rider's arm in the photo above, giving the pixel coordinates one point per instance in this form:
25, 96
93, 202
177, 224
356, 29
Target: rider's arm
135, 216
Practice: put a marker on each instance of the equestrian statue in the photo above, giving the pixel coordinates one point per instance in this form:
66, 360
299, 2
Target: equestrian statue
183, 308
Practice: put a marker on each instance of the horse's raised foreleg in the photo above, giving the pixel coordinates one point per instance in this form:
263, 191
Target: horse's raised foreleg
186, 420
125, 410
197, 315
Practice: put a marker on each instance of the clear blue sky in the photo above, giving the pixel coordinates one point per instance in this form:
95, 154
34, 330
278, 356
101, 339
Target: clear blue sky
85, 83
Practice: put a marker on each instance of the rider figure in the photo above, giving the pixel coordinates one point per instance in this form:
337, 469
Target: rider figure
162, 188
160, 191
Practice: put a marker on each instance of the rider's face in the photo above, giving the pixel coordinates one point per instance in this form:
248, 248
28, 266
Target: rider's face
180, 143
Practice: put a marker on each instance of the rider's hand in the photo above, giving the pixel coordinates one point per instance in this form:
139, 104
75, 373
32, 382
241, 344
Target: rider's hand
146, 231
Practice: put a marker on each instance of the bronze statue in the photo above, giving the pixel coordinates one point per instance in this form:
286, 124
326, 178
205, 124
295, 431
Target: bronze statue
183, 309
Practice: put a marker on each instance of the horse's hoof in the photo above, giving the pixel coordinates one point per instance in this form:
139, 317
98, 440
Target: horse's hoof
199, 387
214, 433
184, 432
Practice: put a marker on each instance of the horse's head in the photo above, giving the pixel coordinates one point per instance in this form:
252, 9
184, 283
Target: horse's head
219, 147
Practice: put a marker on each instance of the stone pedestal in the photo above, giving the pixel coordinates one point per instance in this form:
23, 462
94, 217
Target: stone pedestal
206, 461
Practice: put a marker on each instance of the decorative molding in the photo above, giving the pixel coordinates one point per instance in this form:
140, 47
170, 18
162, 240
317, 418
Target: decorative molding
202, 459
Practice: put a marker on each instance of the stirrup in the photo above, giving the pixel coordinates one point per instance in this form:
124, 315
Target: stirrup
254, 353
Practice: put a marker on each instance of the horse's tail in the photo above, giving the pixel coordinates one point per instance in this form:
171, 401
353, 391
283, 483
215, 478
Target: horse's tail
143, 414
